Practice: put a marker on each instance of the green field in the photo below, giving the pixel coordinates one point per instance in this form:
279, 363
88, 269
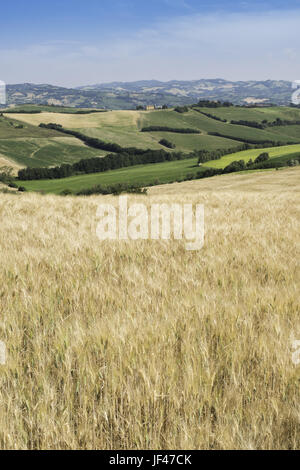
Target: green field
246, 155
45, 152
10, 129
36, 147
140, 174
254, 114
22, 141
155, 173
205, 124
124, 128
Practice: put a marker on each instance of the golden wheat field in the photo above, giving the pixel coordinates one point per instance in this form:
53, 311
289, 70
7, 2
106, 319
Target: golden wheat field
144, 345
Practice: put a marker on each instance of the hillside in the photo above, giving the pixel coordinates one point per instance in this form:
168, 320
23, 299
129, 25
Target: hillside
23, 144
273, 130
118, 95
143, 345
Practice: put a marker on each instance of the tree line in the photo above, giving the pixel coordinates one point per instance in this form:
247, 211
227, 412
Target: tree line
257, 125
99, 165
212, 116
167, 143
214, 104
184, 130
262, 143
264, 124
115, 161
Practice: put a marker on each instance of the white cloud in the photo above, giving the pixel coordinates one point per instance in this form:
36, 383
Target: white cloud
233, 46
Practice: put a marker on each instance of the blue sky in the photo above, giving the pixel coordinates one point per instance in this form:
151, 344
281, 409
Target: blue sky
72, 42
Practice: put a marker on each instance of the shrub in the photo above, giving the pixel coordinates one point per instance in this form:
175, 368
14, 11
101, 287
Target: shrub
66, 192
184, 130
235, 166
181, 109
167, 143
113, 189
263, 157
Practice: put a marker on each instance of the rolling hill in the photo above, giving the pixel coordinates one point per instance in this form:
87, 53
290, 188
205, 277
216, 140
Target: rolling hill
118, 95
24, 143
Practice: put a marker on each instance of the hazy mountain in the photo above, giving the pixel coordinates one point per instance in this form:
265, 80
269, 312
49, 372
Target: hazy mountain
119, 95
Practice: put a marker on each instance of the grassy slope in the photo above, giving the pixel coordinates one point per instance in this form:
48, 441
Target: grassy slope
46, 152
143, 174
198, 121
123, 127
8, 129
246, 155
143, 345
254, 114
148, 174
33, 146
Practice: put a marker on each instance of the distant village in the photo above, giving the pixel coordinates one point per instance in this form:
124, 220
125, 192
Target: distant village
151, 107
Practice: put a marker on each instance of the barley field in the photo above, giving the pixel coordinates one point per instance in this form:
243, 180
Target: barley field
144, 345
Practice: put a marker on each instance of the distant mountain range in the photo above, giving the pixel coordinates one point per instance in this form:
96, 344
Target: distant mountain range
119, 95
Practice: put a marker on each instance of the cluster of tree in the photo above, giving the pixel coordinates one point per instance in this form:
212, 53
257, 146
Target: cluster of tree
184, 130
212, 116
264, 124
263, 157
62, 109
281, 122
272, 163
257, 125
91, 111
116, 189
235, 166
214, 104
167, 143
206, 156
96, 143
6, 176
181, 109
23, 111
99, 165
239, 165
263, 161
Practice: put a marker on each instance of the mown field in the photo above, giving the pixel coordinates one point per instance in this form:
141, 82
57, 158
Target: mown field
143, 345
33, 146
